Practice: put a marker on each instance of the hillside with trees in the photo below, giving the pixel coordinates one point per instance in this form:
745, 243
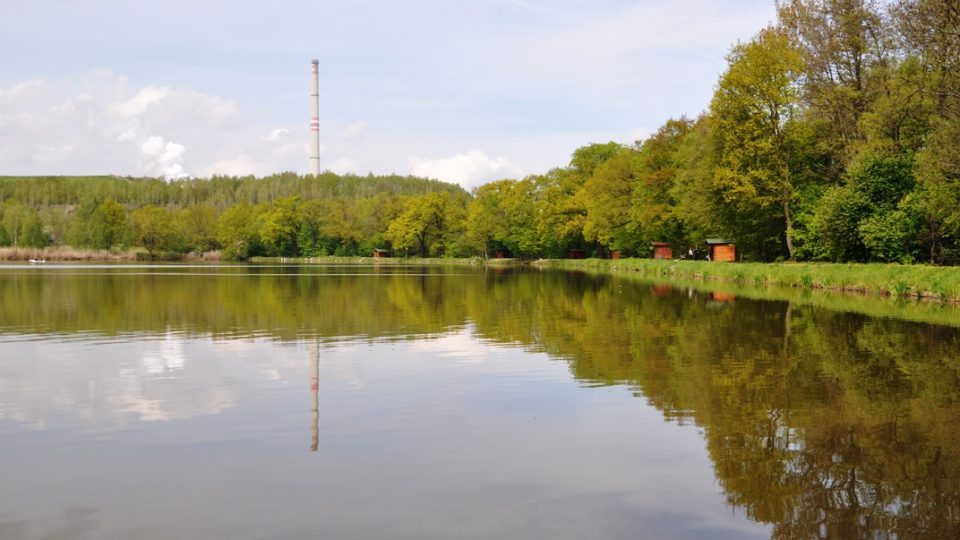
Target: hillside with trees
832, 135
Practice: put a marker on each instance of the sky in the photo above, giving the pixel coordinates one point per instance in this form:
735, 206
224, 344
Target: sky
462, 91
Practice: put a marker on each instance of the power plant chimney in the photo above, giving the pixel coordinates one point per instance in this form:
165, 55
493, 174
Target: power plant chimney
315, 120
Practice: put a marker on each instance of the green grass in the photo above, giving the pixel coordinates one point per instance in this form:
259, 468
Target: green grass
903, 281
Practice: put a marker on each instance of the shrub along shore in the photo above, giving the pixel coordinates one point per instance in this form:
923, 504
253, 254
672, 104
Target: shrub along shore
902, 281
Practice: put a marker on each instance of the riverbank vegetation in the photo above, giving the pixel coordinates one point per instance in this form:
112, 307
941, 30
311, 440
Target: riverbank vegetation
833, 135
901, 281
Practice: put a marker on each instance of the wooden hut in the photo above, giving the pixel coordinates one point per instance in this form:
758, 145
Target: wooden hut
381, 253
615, 254
501, 253
662, 250
721, 297
721, 250
576, 254
661, 290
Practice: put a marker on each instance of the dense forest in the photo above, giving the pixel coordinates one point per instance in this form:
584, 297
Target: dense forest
832, 135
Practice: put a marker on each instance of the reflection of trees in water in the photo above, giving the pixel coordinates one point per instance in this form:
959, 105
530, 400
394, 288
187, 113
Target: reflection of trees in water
824, 424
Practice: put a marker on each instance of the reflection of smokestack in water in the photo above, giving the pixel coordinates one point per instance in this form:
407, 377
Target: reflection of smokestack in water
315, 119
314, 395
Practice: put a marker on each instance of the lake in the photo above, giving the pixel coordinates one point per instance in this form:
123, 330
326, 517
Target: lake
175, 401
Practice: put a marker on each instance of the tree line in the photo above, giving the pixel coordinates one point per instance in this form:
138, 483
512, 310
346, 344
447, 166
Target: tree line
833, 135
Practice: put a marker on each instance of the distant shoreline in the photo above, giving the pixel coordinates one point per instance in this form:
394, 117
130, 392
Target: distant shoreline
920, 282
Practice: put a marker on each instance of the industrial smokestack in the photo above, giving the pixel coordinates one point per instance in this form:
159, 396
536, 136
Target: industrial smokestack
315, 120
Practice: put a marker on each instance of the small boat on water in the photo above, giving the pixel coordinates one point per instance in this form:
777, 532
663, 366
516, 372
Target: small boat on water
38, 261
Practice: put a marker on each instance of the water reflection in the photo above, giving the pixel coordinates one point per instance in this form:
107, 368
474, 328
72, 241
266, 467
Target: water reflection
817, 422
314, 396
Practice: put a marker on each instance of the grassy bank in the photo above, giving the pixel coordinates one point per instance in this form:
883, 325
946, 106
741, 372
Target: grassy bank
903, 281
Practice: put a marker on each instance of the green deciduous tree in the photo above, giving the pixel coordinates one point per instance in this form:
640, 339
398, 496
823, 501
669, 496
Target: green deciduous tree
845, 47
280, 226
503, 214
238, 231
607, 198
755, 109
199, 224
938, 172
586, 159
108, 224
155, 229
655, 209
420, 224
561, 211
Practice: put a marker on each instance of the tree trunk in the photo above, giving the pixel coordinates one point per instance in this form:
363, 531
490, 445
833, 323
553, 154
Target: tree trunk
788, 217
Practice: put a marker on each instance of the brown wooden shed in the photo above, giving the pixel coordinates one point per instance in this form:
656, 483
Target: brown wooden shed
615, 254
501, 253
576, 254
380, 253
721, 250
662, 250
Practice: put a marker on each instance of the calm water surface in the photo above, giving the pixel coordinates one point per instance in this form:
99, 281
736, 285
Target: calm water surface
402, 402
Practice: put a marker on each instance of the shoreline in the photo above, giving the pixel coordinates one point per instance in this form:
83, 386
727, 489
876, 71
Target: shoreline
939, 284
934, 284
395, 261
64, 254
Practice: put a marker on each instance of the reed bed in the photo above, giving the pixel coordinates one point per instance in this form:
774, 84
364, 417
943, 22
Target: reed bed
64, 253
414, 261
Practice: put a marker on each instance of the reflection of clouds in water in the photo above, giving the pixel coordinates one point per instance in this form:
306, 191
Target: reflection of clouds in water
461, 346
162, 356
158, 388
112, 386
164, 402
348, 375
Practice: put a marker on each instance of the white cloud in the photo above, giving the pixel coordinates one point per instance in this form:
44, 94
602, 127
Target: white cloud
469, 170
163, 158
98, 123
529, 80
239, 165
138, 104
275, 135
343, 165
21, 90
355, 130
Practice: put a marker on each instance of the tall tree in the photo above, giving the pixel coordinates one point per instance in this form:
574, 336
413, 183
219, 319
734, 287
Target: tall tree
155, 229
930, 29
843, 42
108, 224
238, 231
420, 224
654, 206
280, 225
199, 224
608, 202
755, 108
561, 210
